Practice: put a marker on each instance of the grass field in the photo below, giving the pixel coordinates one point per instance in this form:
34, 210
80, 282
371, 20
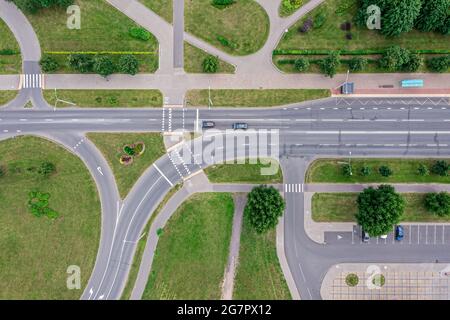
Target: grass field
36, 252
259, 275
253, 98
7, 95
244, 24
342, 207
193, 59
106, 98
330, 36
405, 171
9, 64
242, 173
134, 269
111, 145
163, 8
103, 28
192, 251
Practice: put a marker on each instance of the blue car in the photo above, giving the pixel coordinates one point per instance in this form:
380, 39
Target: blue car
399, 233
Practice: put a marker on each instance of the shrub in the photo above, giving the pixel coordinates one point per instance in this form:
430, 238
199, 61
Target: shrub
432, 15
347, 170
352, 280
103, 66
301, 64
81, 62
395, 58
439, 64
227, 43
129, 150
366, 171
414, 63
423, 170
34, 6
210, 64
438, 203
46, 169
385, 171
264, 206
306, 26
140, 33
440, 168
330, 64
128, 64
8, 52
49, 64
319, 20
291, 5
222, 3
357, 64
346, 26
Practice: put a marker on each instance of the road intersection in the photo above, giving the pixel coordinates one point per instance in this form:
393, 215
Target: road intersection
332, 127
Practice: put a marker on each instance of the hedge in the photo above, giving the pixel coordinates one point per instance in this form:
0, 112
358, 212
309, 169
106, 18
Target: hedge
351, 52
8, 52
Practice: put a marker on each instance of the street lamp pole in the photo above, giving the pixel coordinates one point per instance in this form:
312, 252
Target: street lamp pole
349, 162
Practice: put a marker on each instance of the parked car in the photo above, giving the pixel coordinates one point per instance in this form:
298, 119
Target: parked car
365, 236
208, 124
240, 126
399, 233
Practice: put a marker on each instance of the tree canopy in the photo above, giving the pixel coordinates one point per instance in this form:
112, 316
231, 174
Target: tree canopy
379, 209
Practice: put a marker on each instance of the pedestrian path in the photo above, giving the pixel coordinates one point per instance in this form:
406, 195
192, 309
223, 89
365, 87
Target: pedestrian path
32, 81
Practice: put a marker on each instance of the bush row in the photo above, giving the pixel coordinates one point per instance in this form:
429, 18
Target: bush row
361, 52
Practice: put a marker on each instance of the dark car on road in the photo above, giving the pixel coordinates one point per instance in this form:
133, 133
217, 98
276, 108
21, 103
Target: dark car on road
208, 124
240, 126
399, 233
365, 236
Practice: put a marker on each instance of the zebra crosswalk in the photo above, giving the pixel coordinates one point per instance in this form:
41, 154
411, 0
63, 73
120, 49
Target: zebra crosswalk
293, 188
32, 80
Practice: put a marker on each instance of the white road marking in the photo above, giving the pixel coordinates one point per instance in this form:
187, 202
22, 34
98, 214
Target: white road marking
163, 175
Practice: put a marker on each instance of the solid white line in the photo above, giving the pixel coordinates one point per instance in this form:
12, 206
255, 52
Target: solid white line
301, 271
164, 176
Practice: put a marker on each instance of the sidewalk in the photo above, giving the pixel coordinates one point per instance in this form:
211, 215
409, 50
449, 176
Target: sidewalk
424, 281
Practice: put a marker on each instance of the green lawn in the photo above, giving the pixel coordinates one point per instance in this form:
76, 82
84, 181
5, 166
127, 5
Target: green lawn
242, 173
106, 98
330, 37
405, 171
6, 96
259, 275
163, 8
9, 64
111, 145
192, 251
36, 251
193, 59
253, 98
244, 24
103, 28
342, 207
134, 269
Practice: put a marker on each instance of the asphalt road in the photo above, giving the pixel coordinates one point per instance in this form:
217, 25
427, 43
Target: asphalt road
306, 130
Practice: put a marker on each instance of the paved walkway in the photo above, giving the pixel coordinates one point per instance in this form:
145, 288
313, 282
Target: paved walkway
240, 200
426, 281
316, 230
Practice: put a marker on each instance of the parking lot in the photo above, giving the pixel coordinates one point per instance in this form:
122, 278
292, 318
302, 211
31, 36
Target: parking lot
414, 234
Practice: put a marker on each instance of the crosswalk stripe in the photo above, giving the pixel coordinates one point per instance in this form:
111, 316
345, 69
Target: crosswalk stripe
32, 80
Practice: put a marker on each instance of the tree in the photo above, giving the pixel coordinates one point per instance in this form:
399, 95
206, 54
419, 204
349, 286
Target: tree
264, 206
347, 170
438, 203
440, 168
357, 64
49, 64
103, 66
445, 28
379, 209
423, 170
439, 64
400, 17
331, 63
301, 64
366, 171
432, 15
385, 171
140, 34
210, 64
81, 62
128, 64
46, 169
34, 6
395, 58
414, 63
